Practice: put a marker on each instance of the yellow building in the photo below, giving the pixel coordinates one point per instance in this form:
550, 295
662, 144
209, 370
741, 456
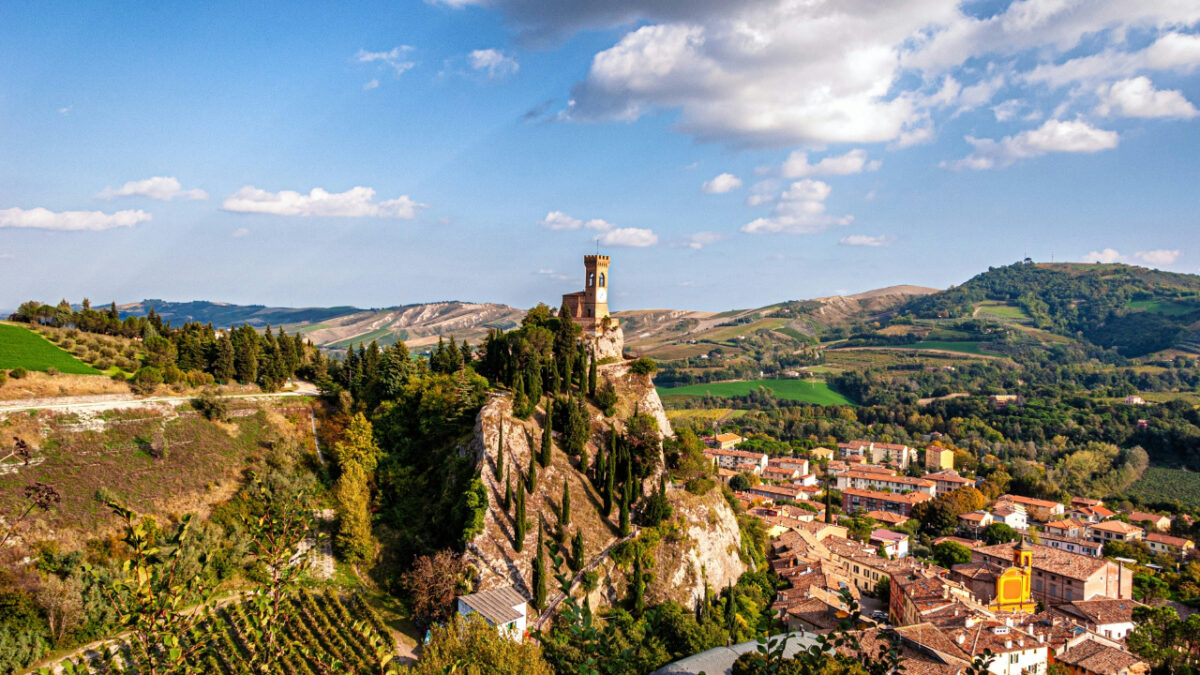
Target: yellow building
938, 458
1014, 586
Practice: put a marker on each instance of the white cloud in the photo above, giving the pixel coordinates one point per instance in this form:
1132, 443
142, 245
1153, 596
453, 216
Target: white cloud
721, 184
701, 239
557, 220
1053, 136
855, 161
241, 232
557, 276
494, 62
65, 110
1158, 257
1171, 52
357, 202
396, 58
865, 240
1007, 110
372, 84
633, 237
45, 219
763, 192
800, 210
1137, 97
162, 188
1108, 255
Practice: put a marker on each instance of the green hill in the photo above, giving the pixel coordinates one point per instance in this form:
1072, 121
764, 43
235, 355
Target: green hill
22, 348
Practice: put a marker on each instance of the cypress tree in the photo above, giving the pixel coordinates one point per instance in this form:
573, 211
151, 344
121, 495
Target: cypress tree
545, 457
532, 471
566, 375
519, 519
539, 573
555, 385
592, 376
639, 586
581, 369
500, 454
608, 490
828, 511
507, 493
520, 401
577, 554
564, 509
624, 518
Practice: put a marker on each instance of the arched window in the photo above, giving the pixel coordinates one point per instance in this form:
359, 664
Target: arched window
592, 279
602, 279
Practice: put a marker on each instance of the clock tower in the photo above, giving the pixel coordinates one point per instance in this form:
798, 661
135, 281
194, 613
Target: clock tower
589, 307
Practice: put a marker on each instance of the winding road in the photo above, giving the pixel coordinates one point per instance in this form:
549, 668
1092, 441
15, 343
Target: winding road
100, 402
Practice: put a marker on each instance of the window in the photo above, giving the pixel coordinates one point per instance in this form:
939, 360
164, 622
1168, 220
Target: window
602, 279
591, 279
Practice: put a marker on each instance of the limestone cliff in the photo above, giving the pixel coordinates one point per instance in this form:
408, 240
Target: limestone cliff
701, 543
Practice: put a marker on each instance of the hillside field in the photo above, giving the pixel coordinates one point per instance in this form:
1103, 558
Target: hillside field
22, 348
817, 393
1161, 484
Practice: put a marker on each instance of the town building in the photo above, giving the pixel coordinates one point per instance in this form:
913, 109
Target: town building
947, 481
779, 474
1067, 527
1134, 399
1058, 576
894, 544
1012, 515
727, 441
1076, 545
938, 458
878, 453
876, 480
589, 307
1114, 530
503, 608
870, 500
798, 463
1091, 514
1109, 617
1093, 657
1156, 520
972, 524
821, 454
737, 460
778, 492
1041, 510
1165, 543
1077, 502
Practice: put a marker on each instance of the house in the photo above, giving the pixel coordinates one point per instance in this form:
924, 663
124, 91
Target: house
912, 597
895, 544
1041, 510
807, 480
1068, 527
1092, 657
1059, 576
1091, 514
938, 458
821, 454
503, 608
1157, 521
1114, 530
969, 543
1078, 502
1077, 545
778, 474
886, 518
1012, 515
948, 481
798, 463
778, 492
973, 523
869, 500
1109, 617
864, 479
1134, 399
731, 459
1165, 543
728, 441
878, 453
1003, 400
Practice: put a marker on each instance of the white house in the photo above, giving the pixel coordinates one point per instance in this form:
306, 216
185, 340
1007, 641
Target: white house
503, 608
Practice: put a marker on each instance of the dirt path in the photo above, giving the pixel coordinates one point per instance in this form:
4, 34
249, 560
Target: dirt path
100, 402
552, 606
944, 352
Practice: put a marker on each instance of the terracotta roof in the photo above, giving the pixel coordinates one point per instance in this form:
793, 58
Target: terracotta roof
1139, 516
1093, 657
724, 438
1028, 501
887, 535
1066, 524
1101, 611
1177, 542
1117, 527
973, 516
969, 543
867, 444
910, 498
890, 478
757, 456
1062, 563
948, 476
885, 517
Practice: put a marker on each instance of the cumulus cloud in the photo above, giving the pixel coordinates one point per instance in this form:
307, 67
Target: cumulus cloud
162, 188
557, 220
396, 58
800, 210
357, 202
632, 237
1053, 136
855, 161
699, 240
1107, 255
1137, 97
865, 240
44, 219
1158, 257
1169, 52
763, 192
493, 62
721, 184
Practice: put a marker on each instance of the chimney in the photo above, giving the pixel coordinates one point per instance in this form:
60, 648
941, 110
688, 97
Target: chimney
1041, 638
961, 638
970, 622
1008, 644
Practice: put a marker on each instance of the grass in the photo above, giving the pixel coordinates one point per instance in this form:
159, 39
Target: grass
705, 416
1003, 310
1160, 484
725, 333
383, 336
817, 393
22, 348
1165, 307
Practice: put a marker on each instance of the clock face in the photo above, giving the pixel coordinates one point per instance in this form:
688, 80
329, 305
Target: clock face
601, 295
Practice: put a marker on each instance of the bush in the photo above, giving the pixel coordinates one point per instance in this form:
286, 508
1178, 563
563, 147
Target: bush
103, 364
3, 378
17, 373
146, 380
52, 371
606, 398
699, 486
643, 366
67, 344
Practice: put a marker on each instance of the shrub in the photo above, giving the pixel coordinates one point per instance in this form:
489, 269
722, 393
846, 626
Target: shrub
699, 486
17, 373
119, 377
643, 366
145, 380
108, 352
606, 398
51, 371
3, 378
172, 374
103, 364
67, 344
210, 405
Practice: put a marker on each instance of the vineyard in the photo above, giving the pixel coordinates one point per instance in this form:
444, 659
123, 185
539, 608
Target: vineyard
321, 633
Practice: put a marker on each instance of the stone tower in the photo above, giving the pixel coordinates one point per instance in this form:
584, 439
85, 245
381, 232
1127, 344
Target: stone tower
589, 307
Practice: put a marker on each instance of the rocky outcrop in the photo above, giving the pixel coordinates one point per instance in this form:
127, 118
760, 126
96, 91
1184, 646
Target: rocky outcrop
607, 344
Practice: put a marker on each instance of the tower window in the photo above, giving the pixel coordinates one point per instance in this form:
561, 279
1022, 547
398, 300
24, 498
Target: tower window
592, 279
602, 280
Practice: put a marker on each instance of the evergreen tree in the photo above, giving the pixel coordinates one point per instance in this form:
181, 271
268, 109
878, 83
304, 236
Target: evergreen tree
533, 468
623, 527
519, 519
609, 476
521, 407
598, 467
555, 385
639, 586
564, 508
453, 357
223, 366
566, 374
581, 370
591, 387
577, 554
500, 454
508, 496
545, 457
539, 573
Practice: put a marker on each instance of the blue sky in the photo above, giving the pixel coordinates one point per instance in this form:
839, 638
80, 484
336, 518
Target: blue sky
726, 153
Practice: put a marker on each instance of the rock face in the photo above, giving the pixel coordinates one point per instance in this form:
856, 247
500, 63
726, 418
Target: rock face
608, 344
706, 554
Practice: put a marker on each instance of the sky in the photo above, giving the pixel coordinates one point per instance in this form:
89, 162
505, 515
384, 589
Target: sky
725, 153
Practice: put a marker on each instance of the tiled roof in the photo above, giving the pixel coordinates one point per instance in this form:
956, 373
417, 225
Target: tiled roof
1101, 610
910, 498
725, 438
1117, 527
875, 475
1062, 563
1029, 501
1168, 540
1139, 516
756, 456
1093, 657
885, 517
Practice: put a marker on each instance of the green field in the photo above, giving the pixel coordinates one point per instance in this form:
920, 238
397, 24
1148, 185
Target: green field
22, 348
949, 346
1165, 307
817, 393
1160, 484
1002, 310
